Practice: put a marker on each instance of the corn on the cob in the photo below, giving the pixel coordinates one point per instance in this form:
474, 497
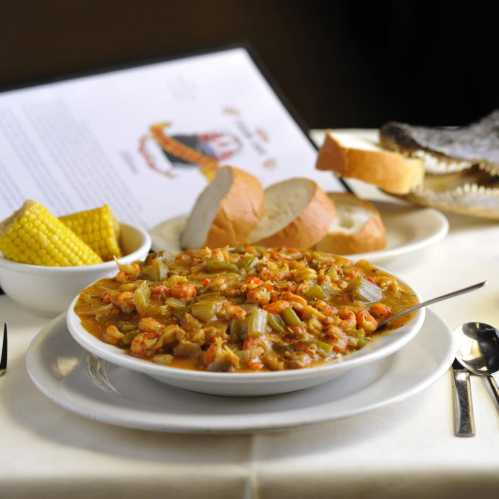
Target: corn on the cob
33, 235
98, 228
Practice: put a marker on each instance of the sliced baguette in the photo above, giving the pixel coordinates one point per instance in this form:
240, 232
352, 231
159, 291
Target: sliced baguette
297, 214
351, 156
226, 211
358, 227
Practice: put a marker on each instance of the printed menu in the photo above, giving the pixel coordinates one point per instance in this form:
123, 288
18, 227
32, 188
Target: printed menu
147, 139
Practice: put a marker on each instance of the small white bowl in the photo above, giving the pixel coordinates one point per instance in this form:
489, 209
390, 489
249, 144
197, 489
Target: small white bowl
248, 384
48, 291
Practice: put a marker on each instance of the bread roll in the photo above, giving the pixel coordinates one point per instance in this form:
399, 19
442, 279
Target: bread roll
358, 227
298, 214
350, 156
226, 211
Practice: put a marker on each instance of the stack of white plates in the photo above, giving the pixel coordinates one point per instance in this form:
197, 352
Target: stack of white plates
101, 382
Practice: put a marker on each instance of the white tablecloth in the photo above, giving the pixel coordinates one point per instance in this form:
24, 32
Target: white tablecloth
404, 451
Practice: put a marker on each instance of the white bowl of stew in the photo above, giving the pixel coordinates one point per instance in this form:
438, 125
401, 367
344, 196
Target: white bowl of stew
232, 333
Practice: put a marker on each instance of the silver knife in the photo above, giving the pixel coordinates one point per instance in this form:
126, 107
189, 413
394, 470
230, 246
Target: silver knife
464, 419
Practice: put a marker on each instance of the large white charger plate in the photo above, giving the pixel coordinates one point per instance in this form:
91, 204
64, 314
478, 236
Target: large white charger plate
409, 229
95, 389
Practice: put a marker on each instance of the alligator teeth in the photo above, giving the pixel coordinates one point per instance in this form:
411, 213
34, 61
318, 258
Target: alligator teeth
464, 189
468, 199
489, 168
436, 165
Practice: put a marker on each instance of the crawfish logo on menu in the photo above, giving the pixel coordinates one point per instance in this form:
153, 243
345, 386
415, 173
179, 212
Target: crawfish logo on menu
202, 150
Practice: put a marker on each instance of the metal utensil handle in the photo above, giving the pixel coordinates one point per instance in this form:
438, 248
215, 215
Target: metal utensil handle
3, 356
494, 388
464, 419
431, 301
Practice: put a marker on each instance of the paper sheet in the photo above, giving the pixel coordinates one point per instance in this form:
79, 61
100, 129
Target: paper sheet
145, 140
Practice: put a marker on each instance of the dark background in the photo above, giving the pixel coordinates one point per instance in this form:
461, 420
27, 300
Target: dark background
341, 64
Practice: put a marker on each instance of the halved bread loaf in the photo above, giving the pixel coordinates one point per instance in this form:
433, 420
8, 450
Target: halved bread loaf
358, 227
297, 214
350, 156
226, 211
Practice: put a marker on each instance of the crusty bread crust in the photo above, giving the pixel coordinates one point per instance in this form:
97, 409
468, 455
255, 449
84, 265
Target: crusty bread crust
370, 237
389, 170
239, 212
309, 227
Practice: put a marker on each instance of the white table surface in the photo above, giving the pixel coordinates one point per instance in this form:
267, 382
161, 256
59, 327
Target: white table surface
403, 451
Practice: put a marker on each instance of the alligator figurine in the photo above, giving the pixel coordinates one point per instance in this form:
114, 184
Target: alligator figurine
461, 164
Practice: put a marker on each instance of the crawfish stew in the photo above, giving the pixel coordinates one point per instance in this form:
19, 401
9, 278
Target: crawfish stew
242, 309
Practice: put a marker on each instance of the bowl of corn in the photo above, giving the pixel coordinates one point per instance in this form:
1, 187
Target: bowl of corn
45, 261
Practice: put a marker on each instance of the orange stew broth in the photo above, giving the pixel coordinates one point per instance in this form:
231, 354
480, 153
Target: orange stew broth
242, 309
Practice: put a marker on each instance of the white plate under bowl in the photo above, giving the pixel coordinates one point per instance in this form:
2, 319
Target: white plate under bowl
248, 384
408, 228
101, 391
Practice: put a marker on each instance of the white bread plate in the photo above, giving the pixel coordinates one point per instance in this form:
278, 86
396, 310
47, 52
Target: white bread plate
48, 291
409, 229
248, 384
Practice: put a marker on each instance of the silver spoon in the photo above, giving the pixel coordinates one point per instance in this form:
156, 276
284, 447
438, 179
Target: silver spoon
479, 352
431, 301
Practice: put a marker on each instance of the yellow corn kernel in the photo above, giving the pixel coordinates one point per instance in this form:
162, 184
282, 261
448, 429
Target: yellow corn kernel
98, 228
33, 235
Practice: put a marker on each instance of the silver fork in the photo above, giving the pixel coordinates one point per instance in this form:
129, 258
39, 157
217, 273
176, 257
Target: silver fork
3, 358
